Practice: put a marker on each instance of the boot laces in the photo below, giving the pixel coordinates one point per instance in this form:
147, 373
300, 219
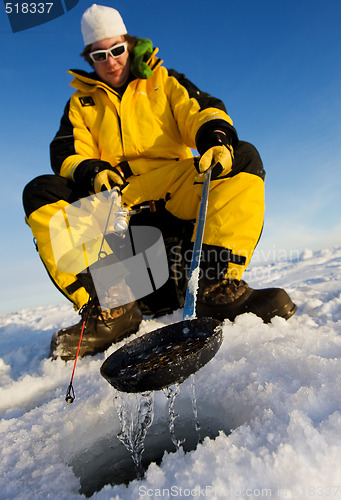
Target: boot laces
225, 291
92, 309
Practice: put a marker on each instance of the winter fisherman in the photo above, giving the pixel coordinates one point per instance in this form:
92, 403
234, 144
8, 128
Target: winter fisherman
133, 124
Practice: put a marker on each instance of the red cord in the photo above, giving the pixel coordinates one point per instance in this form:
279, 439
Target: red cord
70, 395
79, 345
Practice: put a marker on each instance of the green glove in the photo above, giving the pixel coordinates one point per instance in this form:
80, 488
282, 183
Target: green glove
142, 51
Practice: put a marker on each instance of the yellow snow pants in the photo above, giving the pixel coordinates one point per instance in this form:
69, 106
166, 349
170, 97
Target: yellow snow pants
234, 215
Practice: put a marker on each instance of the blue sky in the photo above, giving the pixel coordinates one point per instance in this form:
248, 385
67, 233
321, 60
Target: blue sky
275, 63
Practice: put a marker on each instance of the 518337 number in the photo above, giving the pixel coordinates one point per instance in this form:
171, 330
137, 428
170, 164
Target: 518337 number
28, 8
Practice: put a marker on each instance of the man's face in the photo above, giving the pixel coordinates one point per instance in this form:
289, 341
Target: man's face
114, 72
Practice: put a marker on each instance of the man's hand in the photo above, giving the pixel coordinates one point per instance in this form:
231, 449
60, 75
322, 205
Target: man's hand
96, 175
107, 179
217, 153
220, 157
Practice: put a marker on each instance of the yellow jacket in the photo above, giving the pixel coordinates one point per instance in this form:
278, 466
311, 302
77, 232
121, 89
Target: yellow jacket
155, 121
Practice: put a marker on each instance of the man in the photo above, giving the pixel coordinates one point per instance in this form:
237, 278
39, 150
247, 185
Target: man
132, 124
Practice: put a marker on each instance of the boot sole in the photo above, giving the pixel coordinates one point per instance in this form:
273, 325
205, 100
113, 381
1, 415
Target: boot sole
288, 311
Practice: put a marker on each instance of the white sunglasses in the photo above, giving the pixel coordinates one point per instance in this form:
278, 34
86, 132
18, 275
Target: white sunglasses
115, 51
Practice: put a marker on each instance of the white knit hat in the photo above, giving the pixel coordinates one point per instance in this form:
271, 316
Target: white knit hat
99, 22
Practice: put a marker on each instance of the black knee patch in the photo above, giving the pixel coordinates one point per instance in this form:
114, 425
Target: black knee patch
47, 189
247, 159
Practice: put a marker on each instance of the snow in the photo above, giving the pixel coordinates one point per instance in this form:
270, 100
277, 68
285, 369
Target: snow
269, 405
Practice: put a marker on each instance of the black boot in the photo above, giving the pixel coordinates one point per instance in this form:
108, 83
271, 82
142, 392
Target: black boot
103, 328
226, 299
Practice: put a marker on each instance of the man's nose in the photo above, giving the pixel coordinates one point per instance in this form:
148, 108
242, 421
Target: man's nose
111, 60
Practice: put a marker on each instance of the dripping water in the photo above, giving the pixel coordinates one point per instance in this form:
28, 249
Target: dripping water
195, 406
171, 393
136, 413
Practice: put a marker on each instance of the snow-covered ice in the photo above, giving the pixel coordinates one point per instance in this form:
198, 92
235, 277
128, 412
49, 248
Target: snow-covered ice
269, 404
